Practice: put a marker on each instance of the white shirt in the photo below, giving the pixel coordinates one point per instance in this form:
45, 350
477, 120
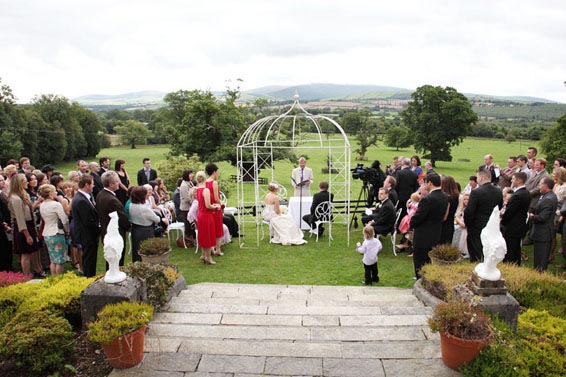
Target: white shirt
370, 248
51, 211
141, 215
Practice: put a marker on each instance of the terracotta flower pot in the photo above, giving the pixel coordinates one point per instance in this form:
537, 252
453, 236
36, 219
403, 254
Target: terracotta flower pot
163, 258
125, 351
457, 351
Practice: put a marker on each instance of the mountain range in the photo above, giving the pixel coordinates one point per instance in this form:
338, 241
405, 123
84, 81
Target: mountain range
308, 92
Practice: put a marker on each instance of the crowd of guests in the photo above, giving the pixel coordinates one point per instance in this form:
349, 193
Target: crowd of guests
433, 209
48, 220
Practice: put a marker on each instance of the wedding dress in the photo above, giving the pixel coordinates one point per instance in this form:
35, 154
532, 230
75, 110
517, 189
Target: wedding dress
284, 229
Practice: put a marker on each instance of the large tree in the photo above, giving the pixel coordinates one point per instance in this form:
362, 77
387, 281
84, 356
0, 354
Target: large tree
361, 124
398, 137
133, 132
552, 142
439, 118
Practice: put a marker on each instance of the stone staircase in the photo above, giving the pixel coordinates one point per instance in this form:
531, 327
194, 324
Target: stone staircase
257, 330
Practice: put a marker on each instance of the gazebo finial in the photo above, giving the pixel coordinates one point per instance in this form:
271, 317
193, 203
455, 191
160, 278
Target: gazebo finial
296, 96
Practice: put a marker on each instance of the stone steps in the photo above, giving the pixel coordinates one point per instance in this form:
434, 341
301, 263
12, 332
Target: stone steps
251, 330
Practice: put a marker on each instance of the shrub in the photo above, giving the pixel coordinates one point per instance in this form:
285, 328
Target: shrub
36, 340
536, 350
535, 290
460, 319
116, 320
10, 278
154, 246
445, 252
158, 279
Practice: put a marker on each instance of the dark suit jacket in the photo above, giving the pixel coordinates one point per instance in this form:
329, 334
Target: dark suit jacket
407, 183
393, 196
543, 220
427, 221
384, 217
514, 219
106, 202
142, 178
482, 201
85, 217
319, 197
491, 169
97, 184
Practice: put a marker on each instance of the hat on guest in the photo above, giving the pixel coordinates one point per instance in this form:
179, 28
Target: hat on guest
47, 168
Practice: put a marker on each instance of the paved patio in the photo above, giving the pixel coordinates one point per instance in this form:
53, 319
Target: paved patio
242, 330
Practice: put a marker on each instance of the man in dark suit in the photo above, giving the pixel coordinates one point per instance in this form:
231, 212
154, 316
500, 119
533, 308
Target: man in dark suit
87, 227
427, 221
479, 209
491, 168
106, 203
147, 173
383, 217
407, 183
322, 196
514, 219
543, 223
390, 183
94, 172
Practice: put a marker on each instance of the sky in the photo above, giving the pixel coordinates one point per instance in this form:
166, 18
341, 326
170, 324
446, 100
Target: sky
77, 47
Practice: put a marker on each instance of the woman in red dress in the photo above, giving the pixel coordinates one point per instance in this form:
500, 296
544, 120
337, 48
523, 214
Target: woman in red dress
206, 223
212, 185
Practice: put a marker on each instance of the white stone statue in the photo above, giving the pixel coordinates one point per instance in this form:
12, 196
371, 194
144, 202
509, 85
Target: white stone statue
113, 245
494, 248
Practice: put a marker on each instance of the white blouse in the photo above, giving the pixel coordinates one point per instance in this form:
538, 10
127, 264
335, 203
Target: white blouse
51, 211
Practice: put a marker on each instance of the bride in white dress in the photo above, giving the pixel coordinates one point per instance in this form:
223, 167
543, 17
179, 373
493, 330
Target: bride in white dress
284, 229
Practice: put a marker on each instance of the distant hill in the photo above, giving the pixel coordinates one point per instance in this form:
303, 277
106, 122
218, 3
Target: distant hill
309, 92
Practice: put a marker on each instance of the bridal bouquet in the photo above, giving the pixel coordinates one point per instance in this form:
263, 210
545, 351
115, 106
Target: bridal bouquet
283, 210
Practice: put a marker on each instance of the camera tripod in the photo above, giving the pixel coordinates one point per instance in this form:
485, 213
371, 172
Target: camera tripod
364, 192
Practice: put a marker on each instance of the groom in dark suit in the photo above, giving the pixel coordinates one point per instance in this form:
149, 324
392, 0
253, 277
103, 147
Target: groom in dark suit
427, 221
87, 227
322, 196
514, 219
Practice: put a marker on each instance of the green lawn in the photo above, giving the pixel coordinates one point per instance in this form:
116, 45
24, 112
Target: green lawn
314, 263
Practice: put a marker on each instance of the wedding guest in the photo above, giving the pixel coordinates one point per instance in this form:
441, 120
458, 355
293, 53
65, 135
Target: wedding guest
56, 228
207, 234
370, 248
122, 192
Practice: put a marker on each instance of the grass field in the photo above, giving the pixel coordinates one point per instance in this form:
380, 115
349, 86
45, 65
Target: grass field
321, 263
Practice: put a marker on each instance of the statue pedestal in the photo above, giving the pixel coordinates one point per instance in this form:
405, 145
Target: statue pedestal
490, 296
99, 294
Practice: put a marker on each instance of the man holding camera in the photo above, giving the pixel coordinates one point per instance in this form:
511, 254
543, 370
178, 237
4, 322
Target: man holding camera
375, 177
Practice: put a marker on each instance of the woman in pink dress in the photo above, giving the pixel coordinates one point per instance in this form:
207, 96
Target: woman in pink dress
206, 223
212, 185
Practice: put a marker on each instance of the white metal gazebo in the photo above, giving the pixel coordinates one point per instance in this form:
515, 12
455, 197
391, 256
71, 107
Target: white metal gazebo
267, 138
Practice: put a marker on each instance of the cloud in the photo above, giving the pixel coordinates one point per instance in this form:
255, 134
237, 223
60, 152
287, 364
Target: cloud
106, 46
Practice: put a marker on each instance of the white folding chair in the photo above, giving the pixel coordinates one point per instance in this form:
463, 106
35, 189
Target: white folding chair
323, 213
177, 226
282, 193
393, 233
230, 210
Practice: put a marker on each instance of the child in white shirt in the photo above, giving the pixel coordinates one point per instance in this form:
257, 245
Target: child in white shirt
370, 248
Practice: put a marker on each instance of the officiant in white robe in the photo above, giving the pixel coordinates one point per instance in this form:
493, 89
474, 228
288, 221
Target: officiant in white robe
302, 178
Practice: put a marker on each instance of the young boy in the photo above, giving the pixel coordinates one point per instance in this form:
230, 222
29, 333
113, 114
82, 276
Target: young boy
370, 248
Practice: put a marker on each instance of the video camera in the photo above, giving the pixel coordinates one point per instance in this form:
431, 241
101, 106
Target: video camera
367, 175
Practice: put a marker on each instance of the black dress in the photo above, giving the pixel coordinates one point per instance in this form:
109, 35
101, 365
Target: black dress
448, 225
122, 194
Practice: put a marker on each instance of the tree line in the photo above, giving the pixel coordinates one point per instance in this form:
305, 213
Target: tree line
49, 129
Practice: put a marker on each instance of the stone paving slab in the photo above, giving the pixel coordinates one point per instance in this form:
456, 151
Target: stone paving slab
155, 344
231, 364
230, 332
405, 302
174, 362
321, 320
181, 318
261, 348
136, 372
338, 367
262, 320
361, 334
212, 308
324, 310
384, 320
293, 366
391, 350
418, 368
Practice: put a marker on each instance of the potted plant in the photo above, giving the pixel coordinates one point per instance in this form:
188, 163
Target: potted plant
155, 250
464, 331
445, 254
120, 330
